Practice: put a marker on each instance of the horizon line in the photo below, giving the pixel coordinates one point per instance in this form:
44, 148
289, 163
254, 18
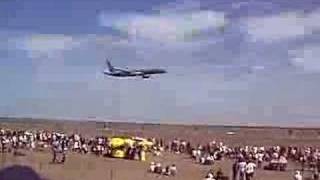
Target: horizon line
104, 120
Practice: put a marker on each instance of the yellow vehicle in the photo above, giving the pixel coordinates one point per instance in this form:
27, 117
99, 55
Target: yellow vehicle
118, 153
117, 142
146, 144
119, 145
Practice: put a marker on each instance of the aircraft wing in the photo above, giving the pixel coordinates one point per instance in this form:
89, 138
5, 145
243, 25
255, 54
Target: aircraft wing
123, 70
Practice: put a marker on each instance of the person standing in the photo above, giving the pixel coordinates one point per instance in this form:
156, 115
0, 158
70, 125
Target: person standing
55, 149
234, 170
316, 174
15, 144
283, 163
297, 176
250, 168
260, 157
242, 169
63, 149
142, 154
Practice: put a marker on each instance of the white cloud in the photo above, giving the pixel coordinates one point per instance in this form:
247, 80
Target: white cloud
238, 5
53, 45
178, 6
172, 26
307, 58
49, 45
282, 26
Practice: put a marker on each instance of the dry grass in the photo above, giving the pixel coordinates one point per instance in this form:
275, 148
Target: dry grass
92, 167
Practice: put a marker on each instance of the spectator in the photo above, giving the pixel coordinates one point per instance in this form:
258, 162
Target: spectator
297, 176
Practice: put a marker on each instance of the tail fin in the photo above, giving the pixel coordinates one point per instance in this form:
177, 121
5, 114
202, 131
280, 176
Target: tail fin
110, 67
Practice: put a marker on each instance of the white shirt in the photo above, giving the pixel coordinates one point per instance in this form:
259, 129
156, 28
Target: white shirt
152, 167
194, 153
202, 160
260, 157
283, 160
173, 169
297, 177
100, 141
14, 139
198, 152
76, 145
242, 166
76, 137
250, 167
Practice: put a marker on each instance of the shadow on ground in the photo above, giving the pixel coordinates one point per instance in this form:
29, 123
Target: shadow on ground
17, 172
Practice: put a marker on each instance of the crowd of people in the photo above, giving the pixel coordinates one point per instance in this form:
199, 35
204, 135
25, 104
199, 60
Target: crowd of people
61, 143
157, 168
249, 158
246, 158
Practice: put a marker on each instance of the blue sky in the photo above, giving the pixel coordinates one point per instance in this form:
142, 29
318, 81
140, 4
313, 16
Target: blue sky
229, 62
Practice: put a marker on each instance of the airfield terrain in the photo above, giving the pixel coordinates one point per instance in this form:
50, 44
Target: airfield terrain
92, 167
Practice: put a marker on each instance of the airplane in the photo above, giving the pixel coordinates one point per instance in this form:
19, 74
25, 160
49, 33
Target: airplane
144, 73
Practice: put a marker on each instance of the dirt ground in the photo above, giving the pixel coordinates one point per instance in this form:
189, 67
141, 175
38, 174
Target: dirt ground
89, 167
